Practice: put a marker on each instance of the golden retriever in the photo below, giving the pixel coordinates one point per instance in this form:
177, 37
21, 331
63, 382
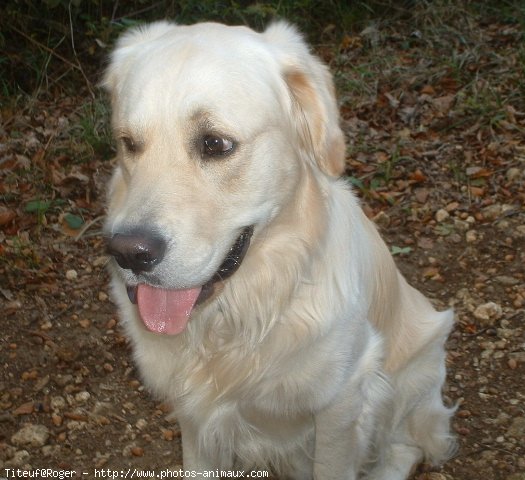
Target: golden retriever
260, 300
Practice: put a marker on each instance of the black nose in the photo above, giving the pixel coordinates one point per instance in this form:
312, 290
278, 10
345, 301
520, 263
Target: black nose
137, 250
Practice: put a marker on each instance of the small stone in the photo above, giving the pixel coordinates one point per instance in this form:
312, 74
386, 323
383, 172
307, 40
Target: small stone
503, 225
506, 333
488, 312
164, 407
45, 326
432, 476
19, 459
506, 280
512, 363
50, 450
425, 243
57, 403
517, 428
168, 435
137, 451
84, 323
461, 225
126, 451
455, 238
29, 375
513, 174
63, 380
82, 397
111, 324
31, 435
56, 419
141, 424
76, 425
71, 275
464, 413
100, 261
134, 384
41, 383
102, 296
441, 215
520, 231
492, 211
471, 236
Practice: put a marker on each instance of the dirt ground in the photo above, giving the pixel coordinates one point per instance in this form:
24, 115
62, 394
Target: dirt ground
437, 154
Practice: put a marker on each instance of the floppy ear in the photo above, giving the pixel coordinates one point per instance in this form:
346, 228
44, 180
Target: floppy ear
313, 94
124, 50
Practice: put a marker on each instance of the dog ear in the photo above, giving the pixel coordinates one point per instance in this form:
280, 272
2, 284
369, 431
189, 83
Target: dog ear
124, 50
313, 96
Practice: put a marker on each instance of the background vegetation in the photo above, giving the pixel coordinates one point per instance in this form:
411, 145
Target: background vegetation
53, 43
59, 47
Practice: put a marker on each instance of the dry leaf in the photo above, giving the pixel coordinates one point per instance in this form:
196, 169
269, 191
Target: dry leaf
6, 215
25, 409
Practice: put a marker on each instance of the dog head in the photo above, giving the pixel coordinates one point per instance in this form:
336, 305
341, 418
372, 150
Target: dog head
215, 127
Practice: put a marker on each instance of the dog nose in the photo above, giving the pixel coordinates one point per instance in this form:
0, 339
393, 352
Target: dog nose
137, 250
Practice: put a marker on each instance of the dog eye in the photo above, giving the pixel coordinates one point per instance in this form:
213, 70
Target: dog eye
129, 144
214, 146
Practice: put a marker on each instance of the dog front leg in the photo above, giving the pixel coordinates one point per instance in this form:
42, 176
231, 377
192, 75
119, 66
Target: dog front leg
193, 459
341, 443
345, 429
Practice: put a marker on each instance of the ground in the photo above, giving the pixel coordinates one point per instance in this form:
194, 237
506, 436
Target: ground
434, 115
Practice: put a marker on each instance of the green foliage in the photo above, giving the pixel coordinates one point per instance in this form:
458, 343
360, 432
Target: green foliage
395, 250
41, 207
73, 221
92, 128
38, 206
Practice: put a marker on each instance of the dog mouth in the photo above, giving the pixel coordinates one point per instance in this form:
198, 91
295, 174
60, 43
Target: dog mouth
167, 311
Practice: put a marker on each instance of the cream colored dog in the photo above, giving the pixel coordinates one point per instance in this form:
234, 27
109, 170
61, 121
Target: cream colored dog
260, 300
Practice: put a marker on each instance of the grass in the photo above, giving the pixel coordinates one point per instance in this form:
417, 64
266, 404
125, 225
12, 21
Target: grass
93, 130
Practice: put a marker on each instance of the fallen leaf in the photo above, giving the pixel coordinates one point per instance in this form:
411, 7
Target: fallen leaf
479, 172
6, 215
381, 157
421, 195
418, 176
430, 272
428, 90
76, 416
476, 191
443, 104
73, 221
25, 409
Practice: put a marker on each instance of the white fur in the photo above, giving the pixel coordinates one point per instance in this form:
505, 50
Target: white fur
315, 359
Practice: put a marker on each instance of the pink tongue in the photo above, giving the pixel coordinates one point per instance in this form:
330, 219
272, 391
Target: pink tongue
166, 311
